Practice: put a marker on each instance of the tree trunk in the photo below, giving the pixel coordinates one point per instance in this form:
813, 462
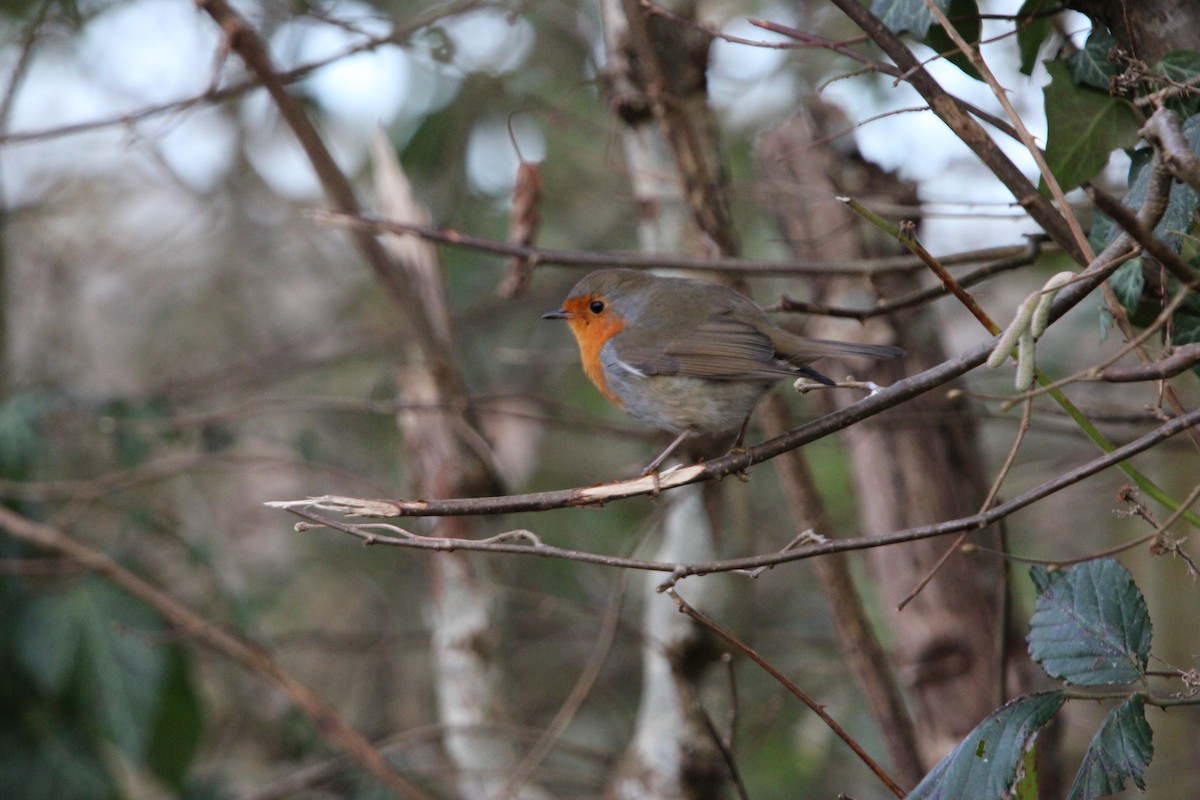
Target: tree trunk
1146, 29
914, 465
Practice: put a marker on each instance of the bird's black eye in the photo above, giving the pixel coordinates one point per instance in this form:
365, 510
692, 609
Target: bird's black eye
596, 306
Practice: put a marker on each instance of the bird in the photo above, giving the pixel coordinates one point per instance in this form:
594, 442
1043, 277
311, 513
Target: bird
687, 356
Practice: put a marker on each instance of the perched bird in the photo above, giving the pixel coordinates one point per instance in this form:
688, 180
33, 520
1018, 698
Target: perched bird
687, 356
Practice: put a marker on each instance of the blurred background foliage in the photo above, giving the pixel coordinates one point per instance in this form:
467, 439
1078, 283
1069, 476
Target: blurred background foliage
182, 342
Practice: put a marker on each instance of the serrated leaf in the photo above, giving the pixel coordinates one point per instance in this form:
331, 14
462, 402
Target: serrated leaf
984, 765
1090, 626
1026, 787
964, 14
1090, 66
1083, 127
1121, 749
1032, 30
906, 15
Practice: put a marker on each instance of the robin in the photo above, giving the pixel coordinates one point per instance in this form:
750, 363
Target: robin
687, 356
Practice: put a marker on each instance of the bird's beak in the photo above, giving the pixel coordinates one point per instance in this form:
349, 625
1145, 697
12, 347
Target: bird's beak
561, 313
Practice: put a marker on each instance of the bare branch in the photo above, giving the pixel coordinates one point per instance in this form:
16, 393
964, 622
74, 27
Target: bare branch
1184, 357
968, 130
594, 260
680, 571
1164, 131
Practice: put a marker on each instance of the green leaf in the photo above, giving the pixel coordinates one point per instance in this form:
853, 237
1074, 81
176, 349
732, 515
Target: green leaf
176, 728
20, 434
1090, 626
1032, 29
1181, 204
984, 765
59, 765
94, 640
1121, 749
1127, 283
1182, 67
964, 14
906, 15
1090, 66
1026, 787
1084, 127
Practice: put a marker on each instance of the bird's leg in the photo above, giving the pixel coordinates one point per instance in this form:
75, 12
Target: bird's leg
736, 447
653, 466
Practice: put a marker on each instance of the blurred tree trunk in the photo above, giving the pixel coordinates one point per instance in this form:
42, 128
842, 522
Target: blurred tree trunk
911, 466
449, 457
1147, 29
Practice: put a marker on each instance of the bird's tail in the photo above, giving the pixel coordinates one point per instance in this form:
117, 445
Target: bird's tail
800, 350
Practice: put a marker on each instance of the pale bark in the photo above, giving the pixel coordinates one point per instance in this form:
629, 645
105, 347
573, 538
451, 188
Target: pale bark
449, 457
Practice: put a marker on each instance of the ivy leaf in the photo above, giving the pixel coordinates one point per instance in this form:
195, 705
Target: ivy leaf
964, 14
1090, 626
1181, 67
1032, 29
907, 15
984, 765
1120, 749
1127, 283
96, 643
1084, 127
1090, 66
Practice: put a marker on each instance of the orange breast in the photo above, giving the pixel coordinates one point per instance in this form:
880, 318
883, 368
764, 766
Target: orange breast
592, 333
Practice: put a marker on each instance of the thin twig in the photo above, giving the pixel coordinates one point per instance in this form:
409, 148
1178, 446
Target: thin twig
1022, 430
796, 691
972, 134
595, 260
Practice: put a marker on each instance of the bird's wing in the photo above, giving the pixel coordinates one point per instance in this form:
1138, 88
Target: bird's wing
718, 348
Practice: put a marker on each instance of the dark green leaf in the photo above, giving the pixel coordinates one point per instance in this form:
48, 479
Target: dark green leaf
1185, 328
177, 725
1084, 127
1181, 205
58, 765
132, 445
100, 640
1127, 283
1090, 626
906, 15
984, 765
1032, 29
20, 434
1181, 67
964, 14
1121, 749
1090, 66
48, 640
